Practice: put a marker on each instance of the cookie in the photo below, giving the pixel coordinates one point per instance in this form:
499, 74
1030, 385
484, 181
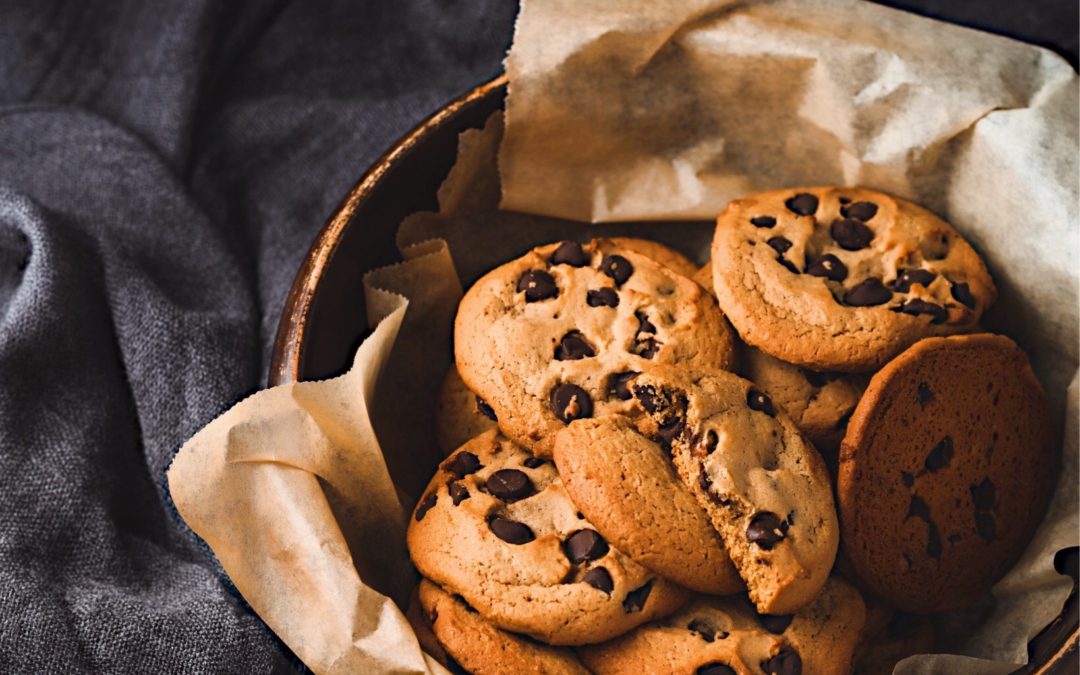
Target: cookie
764, 488
843, 278
482, 649
725, 636
496, 526
626, 486
550, 337
945, 471
666, 256
460, 414
425, 632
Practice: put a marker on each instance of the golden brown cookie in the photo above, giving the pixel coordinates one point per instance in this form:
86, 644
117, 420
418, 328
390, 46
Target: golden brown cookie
496, 527
945, 471
665, 255
460, 414
843, 278
627, 487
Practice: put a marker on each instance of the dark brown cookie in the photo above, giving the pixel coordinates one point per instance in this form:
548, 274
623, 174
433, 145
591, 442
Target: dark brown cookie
945, 471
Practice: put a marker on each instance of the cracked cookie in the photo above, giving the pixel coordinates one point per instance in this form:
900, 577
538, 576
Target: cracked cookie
626, 486
496, 527
765, 490
843, 278
726, 636
460, 414
945, 471
552, 336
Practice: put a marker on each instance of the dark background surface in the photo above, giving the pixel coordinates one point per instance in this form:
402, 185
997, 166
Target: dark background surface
163, 168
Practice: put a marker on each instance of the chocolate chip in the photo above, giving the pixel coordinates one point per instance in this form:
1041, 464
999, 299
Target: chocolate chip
940, 456
790, 266
763, 221
803, 204
703, 628
670, 430
761, 402
635, 600
644, 325
602, 297
863, 211
917, 508
766, 530
570, 253
509, 485
649, 399
984, 526
984, 495
828, 266
484, 409
511, 531
779, 244
924, 393
867, 293
786, 662
585, 545
573, 347
711, 441
617, 267
425, 505
534, 462
775, 623
851, 234
538, 285
570, 402
458, 492
962, 293
618, 385
905, 279
915, 307
646, 349
715, 668
933, 541
907, 478
462, 464
600, 579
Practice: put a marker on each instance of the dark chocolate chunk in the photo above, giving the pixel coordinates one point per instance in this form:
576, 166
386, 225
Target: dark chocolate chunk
644, 325
462, 464
763, 221
868, 293
425, 505
703, 480
786, 662
908, 278
458, 492
670, 430
907, 479
863, 211
984, 526
617, 267
646, 348
511, 531
933, 540
779, 244
649, 399
573, 346
602, 297
917, 508
828, 266
766, 530
534, 462
984, 495
618, 385
940, 456
600, 579
509, 485
915, 307
704, 629
803, 204
570, 253
635, 600
585, 545
712, 439
538, 285
924, 393
484, 409
715, 668
775, 623
961, 292
761, 402
570, 402
790, 266
851, 234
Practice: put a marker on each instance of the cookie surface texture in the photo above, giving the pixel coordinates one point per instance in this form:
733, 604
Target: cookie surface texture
945, 471
626, 486
724, 635
843, 278
550, 337
481, 648
460, 414
496, 527
765, 489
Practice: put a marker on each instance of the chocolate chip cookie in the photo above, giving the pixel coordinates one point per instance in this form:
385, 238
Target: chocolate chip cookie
945, 471
496, 527
552, 336
665, 255
765, 490
843, 278
478, 647
460, 414
626, 486
725, 636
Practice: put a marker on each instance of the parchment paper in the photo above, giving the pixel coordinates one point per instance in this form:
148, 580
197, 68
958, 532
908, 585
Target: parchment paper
653, 111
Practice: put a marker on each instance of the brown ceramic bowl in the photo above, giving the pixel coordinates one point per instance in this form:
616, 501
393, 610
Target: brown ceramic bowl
324, 320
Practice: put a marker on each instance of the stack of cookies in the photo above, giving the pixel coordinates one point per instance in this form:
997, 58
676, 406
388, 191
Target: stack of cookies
775, 464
